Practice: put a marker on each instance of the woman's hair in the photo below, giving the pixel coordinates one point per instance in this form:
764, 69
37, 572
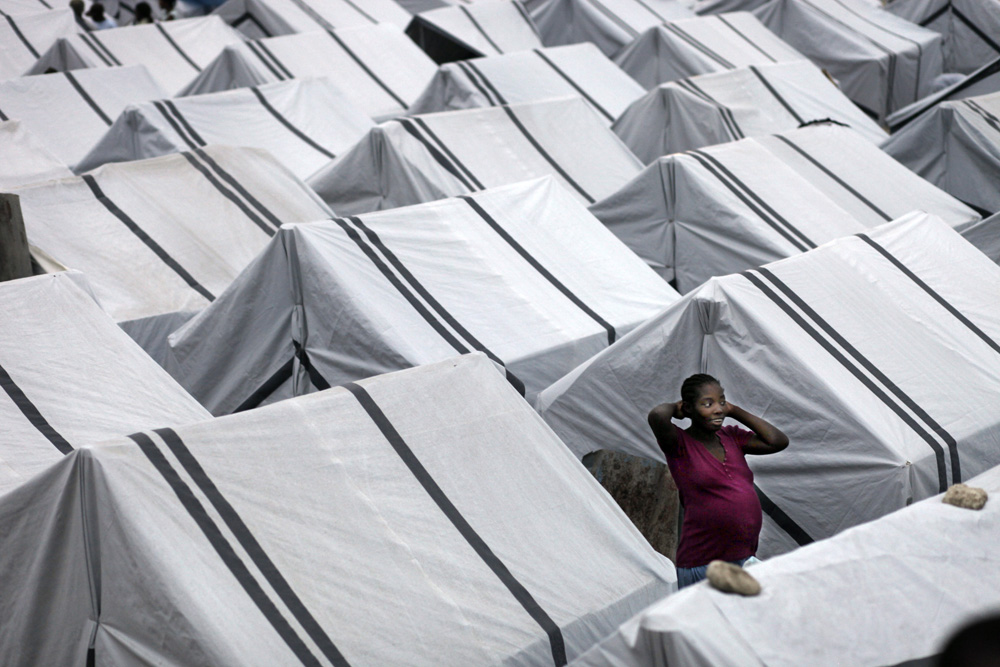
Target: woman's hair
690, 387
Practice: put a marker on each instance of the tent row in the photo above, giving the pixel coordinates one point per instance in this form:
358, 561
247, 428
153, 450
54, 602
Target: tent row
474, 30
24, 37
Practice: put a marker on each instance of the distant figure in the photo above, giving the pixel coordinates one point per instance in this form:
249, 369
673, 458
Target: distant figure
97, 17
169, 9
143, 14
77, 7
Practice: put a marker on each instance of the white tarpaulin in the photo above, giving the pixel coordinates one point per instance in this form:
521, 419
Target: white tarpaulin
304, 123
478, 29
70, 377
609, 24
702, 45
426, 517
25, 37
70, 111
267, 18
25, 159
174, 52
381, 67
985, 235
983, 81
165, 235
18, 7
956, 146
726, 106
857, 350
734, 206
532, 76
971, 28
413, 160
891, 592
523, 273
881, 61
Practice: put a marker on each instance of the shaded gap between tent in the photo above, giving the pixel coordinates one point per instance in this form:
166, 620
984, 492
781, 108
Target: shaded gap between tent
448, 508
31, 412
247, 16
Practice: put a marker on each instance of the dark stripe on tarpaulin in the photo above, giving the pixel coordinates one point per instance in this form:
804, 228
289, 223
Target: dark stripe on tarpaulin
435, 153
448, 508
728, 119
537, 266
276, 68
146, 238
323, 22
315, 376
974, 28
744, 194
32, 414
270, 385
177, 47
573, 83
649, 9
857, 195
284, 121
632, 32
45, 4
228, 178
486, 81
848, 365
162, 108
475, 23
990, 119
937, 14
777, 96
382, 84
462, 65
20, 36
224, 550
422, 124
541, 151
173, 109
228, 194
3, 116
930, 291
429, 299
247, 16
745, 38
97, 46
87, 98
698, 45
527, 19
780, 517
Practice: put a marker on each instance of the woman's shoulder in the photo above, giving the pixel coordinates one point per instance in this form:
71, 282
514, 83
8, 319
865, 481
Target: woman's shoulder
739, 435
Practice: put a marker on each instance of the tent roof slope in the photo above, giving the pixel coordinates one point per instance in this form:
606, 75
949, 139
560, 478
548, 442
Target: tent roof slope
26, 160
726, 106
882, 62
382, 67
304, 123
173, 51
167, 234
609, 24
25, 36
971, 28
413, 160
983, 81
894, 568
522, 273
531, 76
94, 384
701, 45
956, 146
461, 31
70, 111
268, 18
731, 207
405, 497
815, 343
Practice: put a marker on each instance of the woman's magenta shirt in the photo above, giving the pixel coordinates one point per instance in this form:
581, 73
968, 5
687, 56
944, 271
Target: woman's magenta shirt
722, 514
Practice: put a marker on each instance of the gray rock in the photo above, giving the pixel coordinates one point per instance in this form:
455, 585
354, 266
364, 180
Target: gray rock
730, 578
965, 496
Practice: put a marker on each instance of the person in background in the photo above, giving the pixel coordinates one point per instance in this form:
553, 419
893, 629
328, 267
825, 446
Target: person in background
168, 9
77, 7
99, 19
722, 513
143, 14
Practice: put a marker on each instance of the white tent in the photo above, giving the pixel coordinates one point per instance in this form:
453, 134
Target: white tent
167, 235
734, 206
18, 7
419, 159
70, 111
532, 76
702, 45
478, 29
891, 592
381, 67
70, 377
304, 123
983, 81
173, 51
956, 146
521, 272
24, 37
610, 24
971, 28
860, 350
391, 522
25, 159
267, 18
725, 106
882, 62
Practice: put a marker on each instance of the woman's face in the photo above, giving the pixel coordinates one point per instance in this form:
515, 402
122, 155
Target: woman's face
709, 410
